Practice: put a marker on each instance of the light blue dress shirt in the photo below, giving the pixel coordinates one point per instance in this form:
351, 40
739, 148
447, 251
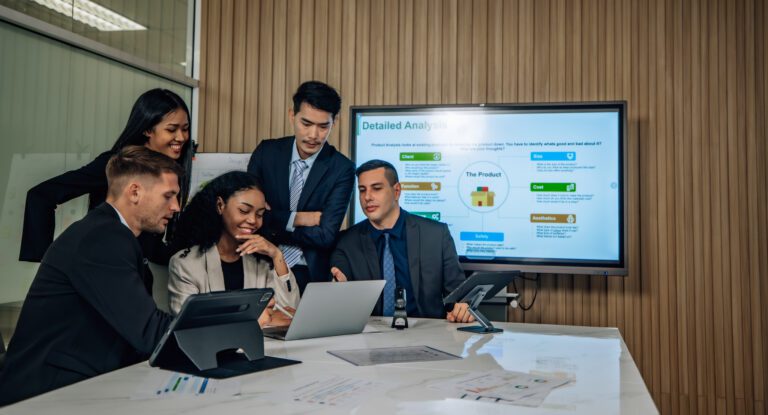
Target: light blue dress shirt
310, 161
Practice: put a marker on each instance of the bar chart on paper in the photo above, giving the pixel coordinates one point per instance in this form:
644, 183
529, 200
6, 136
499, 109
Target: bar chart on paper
161, 385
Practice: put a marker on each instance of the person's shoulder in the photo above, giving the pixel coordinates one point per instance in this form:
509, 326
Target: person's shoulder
271, 143
100, 162
269, 148
103, 158
187, 255
105, 155
350, 234
100, 232
104, 219
424, 222
337, 156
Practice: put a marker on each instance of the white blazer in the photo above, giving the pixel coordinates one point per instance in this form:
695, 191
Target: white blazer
196, 272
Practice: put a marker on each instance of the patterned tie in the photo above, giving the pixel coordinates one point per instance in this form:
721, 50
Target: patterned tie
292, 253
388, 267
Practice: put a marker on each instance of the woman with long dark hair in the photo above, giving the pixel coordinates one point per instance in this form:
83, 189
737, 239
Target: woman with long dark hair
219, 250
159, 120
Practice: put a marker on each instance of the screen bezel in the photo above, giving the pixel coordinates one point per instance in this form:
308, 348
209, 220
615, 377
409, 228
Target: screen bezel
539, 265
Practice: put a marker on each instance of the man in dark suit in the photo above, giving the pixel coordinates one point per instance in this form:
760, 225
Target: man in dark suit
307, 183
408, 251
88, 311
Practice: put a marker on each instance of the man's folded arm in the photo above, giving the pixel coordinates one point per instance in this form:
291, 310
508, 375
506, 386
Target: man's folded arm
324, 235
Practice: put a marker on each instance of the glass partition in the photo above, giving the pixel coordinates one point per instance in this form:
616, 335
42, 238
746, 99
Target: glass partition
59, 108
156, 31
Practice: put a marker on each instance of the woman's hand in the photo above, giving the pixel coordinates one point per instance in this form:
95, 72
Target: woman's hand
280, 318
256, 244
265, 319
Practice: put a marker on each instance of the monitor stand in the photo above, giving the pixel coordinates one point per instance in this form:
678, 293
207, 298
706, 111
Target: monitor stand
475, 297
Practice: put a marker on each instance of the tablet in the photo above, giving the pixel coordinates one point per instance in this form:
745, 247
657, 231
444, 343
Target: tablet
490, 282
218, 335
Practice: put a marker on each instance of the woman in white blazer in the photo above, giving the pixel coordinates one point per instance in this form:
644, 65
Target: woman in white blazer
219, 250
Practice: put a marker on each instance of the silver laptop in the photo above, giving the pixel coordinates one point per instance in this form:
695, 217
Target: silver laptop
331, 309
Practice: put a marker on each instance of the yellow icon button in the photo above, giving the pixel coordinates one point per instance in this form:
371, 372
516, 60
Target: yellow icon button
552, 218
422, 186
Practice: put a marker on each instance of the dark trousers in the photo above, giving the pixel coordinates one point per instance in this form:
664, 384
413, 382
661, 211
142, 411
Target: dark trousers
301, 272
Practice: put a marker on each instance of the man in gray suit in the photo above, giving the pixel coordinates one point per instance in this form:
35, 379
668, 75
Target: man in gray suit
407, 251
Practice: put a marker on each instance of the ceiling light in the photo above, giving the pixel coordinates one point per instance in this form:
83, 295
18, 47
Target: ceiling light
92, 14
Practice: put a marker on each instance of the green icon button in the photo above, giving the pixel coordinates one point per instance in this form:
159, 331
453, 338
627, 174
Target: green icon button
428, 215
421, 156
553, 187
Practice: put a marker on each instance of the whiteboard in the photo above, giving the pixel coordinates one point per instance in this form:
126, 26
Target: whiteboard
207, 166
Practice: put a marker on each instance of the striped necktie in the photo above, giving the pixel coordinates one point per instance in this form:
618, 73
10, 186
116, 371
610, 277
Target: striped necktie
388, 271
292, 253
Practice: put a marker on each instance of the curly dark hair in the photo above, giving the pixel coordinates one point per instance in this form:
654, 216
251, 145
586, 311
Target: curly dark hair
200, 223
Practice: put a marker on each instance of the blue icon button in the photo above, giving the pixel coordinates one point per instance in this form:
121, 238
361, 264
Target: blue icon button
553, 156
482, 236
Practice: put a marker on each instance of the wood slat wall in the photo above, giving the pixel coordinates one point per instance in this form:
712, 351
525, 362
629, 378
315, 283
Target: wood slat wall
694, 74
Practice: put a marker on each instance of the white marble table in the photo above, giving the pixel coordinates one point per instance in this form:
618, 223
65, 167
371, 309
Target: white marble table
606, 378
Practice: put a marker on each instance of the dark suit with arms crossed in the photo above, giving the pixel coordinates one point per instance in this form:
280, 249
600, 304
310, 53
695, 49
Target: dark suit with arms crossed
432, 261
86, 313
328, 189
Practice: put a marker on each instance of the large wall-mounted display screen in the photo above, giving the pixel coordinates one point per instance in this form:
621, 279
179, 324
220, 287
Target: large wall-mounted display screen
535, 187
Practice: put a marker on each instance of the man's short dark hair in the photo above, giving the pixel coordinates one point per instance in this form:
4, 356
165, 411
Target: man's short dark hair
139, 161
319, 95
389, 170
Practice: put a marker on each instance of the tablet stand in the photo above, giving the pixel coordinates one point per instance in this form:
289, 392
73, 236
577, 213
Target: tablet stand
210, 351
478, 287
474, 298
201, 344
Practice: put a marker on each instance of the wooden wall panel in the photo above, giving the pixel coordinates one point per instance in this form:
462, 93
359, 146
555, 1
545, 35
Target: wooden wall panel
695, 76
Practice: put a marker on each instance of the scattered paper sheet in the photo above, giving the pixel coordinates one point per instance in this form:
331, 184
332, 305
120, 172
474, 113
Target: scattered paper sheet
500, 386
408, 354
162, 385
335, 391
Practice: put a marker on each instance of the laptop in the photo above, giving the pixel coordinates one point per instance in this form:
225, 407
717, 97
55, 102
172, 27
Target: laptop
331, 309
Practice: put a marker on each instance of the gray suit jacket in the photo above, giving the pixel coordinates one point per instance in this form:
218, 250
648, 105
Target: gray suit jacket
432, 261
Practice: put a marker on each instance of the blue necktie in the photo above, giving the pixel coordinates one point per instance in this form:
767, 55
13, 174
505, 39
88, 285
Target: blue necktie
388, 269
292, 253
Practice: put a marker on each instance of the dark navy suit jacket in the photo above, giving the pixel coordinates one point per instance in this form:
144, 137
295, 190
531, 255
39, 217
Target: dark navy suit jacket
328, 189
432, 261
86, 313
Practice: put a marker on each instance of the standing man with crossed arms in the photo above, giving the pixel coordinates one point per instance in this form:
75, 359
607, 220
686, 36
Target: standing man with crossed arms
307, 183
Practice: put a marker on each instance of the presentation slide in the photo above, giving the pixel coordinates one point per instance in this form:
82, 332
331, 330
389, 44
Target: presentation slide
529, 184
